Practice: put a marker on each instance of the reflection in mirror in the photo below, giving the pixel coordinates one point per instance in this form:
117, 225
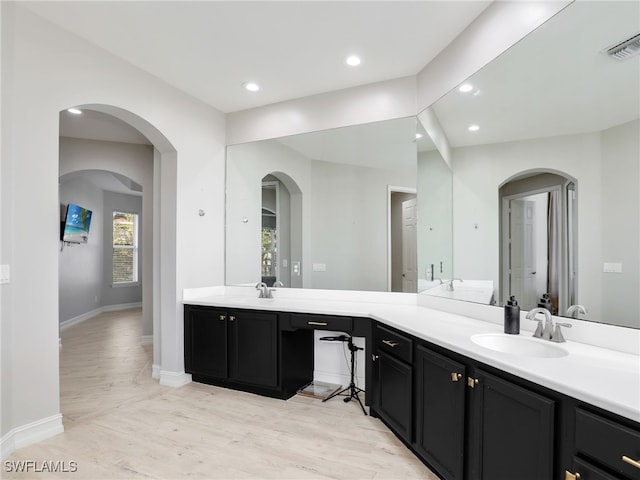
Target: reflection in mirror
556, 102
536, 241
339, 184
435, 209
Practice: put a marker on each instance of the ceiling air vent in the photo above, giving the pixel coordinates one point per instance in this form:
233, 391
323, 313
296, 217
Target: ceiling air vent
626, 49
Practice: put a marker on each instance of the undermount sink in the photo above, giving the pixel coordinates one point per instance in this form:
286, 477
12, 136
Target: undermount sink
518, 345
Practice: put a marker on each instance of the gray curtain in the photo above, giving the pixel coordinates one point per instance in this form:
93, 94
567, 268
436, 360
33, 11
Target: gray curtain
554, 232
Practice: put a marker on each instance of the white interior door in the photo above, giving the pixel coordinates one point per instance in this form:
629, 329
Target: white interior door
522, 257
409, 246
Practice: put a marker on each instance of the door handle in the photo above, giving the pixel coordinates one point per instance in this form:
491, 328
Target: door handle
455, 376
571, 476
223, 317
232, 318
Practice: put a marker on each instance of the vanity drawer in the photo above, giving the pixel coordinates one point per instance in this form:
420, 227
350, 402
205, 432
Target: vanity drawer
396, 344
586, 471
608, 443
322, 322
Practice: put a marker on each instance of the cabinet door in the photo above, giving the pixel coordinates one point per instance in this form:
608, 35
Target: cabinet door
206, 333
395, 394
440, 414
254, 348
513, 431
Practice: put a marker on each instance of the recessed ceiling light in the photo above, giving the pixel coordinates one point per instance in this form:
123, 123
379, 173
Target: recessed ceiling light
474, 128
250, 86
418, 135
466, 87
353, 61
75, 111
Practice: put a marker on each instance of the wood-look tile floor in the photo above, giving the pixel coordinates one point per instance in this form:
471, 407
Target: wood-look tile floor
120, 423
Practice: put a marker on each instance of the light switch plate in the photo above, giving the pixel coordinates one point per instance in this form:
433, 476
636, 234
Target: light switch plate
319, 267
611, 267
5, 274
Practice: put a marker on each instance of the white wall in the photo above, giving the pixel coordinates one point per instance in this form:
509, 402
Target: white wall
45, 70
435, 216
349, 222
621, 225
344, 216
81, 266
603, 164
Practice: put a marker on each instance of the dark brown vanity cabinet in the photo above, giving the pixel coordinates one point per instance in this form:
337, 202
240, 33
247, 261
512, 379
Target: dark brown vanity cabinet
471, 424
605, 449
440, 412
511, 430
393, 397
232, 345
245, 349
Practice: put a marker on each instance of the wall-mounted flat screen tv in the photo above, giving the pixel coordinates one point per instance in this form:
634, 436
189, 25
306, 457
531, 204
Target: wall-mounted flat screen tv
76, 224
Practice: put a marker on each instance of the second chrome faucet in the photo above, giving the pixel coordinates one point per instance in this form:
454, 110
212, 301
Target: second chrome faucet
547, 329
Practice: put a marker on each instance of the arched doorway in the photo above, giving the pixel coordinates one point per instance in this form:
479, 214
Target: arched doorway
159, 260
538, 225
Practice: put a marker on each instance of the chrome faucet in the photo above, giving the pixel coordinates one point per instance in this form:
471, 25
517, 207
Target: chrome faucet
574, 311
278, 284
545, 327
450, 283
548, 331
265, 292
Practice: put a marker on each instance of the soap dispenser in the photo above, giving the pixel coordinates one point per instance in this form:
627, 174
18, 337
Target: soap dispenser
545, 302
512, 317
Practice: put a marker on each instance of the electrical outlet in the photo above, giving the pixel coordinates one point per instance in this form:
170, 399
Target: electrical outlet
5, 274
612, 267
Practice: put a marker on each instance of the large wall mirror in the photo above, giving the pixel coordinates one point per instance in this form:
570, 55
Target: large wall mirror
337, 209
549, 134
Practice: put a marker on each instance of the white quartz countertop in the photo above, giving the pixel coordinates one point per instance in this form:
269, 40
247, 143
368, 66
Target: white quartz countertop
603, 377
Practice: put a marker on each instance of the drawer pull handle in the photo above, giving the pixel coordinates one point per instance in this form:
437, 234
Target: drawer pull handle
571, 476
390, 343
631, 461
455, 376
321, 324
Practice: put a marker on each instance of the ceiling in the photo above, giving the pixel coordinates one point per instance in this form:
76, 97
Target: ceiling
292, 49
556, 81
390, 144
105, 180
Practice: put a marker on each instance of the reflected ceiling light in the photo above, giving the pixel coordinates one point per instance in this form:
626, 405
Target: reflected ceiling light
75, 111
250, 86
353, 61
466, 87
418, 135
474, 128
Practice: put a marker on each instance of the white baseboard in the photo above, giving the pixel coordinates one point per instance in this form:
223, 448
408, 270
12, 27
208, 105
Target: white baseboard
121, 306
97, 311
30, 433
146, 339
174, 379
155, 371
